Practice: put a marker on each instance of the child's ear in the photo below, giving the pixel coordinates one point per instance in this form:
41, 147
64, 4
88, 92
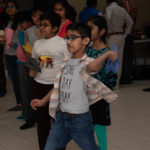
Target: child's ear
86, 40
55, 29
102, 32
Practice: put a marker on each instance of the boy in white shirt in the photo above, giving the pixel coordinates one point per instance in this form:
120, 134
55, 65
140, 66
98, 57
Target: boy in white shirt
49, 52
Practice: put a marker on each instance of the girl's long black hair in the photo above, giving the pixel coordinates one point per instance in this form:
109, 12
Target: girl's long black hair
101, 23
70, 11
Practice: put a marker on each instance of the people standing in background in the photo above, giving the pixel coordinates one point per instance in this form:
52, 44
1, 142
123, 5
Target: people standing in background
117, 17
100, 110
2, 68
89, 11
67, 14
31, 35
25, 22
10, 20
127, 67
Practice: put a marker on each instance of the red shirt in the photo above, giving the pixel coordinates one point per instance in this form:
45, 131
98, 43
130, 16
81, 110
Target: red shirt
62, 31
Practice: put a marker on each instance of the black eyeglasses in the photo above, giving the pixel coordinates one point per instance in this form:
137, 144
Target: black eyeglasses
72, 38
45, 25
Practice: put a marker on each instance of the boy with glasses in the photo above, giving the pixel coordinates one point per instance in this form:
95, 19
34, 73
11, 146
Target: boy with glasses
49, 52
74, 90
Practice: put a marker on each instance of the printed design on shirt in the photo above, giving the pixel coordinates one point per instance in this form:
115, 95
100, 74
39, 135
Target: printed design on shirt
46, 61
66, 80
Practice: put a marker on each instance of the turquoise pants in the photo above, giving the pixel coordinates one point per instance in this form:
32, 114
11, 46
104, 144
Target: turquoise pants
101, 136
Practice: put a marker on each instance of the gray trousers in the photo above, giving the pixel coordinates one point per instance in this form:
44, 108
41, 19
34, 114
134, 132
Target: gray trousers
26, 93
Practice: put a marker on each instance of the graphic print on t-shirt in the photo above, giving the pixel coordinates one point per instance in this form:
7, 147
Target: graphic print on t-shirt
46, 61
66, 80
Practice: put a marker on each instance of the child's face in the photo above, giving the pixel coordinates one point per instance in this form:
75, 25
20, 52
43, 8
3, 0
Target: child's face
11, 9
95, 33
47, 30
60, 10
25, 25
76, 45
35, 17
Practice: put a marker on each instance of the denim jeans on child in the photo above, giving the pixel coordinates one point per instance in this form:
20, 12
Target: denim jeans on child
71, 126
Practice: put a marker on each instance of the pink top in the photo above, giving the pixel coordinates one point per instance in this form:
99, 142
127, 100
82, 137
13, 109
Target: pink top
8, 36
62, 31
21, 56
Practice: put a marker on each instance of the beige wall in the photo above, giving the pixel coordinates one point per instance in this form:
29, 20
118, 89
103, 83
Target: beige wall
143, 9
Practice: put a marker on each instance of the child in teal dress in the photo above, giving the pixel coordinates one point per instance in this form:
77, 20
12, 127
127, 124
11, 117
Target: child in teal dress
100, 110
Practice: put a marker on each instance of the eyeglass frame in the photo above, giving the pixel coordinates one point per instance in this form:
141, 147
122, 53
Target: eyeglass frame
45, 25
72, 38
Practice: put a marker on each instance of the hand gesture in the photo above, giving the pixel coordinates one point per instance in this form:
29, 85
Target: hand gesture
113, 55
36, 103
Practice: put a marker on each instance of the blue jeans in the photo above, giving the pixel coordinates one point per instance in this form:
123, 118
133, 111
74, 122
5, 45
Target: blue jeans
71, 126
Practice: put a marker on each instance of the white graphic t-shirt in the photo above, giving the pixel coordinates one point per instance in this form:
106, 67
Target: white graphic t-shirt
50, 54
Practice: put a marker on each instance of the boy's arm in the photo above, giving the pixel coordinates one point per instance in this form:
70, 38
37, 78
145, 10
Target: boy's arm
40, 102
98, 63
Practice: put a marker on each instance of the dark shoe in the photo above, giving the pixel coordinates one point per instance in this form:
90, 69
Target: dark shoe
21, 117
2, 93
26, 126
146, 90
16, 108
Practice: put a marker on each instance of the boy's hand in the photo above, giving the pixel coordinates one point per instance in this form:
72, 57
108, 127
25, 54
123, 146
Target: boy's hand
36, 103
113, 55
32, 73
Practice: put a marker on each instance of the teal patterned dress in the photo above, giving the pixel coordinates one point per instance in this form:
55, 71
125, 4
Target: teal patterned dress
100, 110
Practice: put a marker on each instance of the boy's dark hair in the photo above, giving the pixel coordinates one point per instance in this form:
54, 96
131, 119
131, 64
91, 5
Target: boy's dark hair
52, 17
34, 10
70, 11
25, 16
101, 23
91, 3
81, 28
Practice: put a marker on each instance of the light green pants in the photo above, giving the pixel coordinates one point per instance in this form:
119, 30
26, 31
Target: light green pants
101, 136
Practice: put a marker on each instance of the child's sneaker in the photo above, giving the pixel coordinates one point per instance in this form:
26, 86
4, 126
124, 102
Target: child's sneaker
2, 93
21, 117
